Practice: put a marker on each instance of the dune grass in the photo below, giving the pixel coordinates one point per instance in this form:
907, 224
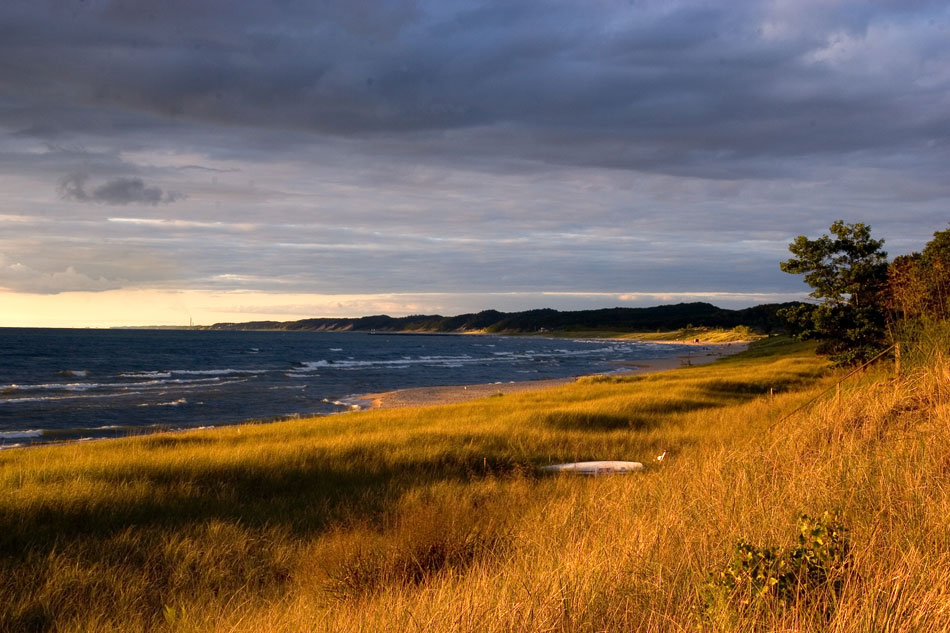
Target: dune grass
740, 333
436, 518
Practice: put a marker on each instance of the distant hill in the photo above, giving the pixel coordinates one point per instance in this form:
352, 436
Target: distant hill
659, 318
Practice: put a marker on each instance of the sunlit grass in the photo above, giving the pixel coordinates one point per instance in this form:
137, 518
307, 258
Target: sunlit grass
700, 335
436, 518
707, 335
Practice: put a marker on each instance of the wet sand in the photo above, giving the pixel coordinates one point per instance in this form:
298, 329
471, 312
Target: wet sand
421, 396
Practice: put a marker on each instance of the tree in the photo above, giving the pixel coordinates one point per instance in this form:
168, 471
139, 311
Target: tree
906, 295
847, 271
918, 285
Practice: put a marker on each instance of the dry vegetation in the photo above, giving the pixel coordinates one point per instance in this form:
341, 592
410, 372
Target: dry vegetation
740, 333
436, 519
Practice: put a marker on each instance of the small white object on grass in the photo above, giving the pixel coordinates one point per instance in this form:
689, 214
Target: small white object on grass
661, 456
596, 468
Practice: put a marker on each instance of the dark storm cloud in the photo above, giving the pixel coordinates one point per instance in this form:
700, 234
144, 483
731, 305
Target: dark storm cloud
648, 86
121, 191
454, 146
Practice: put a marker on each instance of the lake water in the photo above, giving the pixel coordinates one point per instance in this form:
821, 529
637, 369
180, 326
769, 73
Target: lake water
74, 384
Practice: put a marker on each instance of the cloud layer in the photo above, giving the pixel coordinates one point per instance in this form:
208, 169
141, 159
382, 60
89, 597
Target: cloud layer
410, 146
121, 191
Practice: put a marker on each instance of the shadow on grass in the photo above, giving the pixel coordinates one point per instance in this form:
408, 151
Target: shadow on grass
741, 389
211, 529
643, 416
302, 494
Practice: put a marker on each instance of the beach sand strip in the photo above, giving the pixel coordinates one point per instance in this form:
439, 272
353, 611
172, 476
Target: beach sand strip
422, 396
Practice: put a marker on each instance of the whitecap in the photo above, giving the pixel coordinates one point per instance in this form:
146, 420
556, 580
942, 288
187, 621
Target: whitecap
168, 373
216, 372
126, 392
400, 363
68, 386
146, 374
19, 435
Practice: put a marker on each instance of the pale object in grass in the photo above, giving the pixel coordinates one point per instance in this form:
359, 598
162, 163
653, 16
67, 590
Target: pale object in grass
596, 468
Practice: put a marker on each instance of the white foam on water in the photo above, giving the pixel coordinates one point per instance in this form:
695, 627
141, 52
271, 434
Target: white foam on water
87, 386
127, 391
168, 373
216, 372
77, 373
447, 361
146, 374
398, 363
19, 435
68, 386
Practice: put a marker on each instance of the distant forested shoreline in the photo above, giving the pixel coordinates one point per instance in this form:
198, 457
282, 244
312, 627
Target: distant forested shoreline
762, 318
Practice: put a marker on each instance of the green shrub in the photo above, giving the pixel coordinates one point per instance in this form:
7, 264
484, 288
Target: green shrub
770, 578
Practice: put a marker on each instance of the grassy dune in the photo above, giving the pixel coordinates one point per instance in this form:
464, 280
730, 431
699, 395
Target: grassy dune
739, 333
436, 519
701, 334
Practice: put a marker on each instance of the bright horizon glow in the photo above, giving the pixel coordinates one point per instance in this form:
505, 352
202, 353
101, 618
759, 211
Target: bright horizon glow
131, 308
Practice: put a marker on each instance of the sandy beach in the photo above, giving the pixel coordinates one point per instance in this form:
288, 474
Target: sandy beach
421, 396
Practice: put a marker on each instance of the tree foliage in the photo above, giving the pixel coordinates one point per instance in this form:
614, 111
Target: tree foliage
847, 271
918, 285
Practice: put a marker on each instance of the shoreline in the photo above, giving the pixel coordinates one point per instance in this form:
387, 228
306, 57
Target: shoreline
451, 394
437, 395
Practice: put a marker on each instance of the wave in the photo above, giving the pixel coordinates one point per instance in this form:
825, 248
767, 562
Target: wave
86, 386
173, 403
446, 361
168, 373
66, 386
216, 372
124, 393
146, 374
20, 435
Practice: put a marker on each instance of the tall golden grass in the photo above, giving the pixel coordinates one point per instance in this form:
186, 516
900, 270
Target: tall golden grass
437, 519
740, 333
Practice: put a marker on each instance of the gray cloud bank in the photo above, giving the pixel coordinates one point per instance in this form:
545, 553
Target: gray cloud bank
447, 145
121, 191
681, 87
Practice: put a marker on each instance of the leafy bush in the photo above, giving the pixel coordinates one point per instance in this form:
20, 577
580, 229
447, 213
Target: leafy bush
847, 271
768, 577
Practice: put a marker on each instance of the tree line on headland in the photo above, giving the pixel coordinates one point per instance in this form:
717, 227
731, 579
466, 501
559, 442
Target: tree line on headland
763, 318
863, 303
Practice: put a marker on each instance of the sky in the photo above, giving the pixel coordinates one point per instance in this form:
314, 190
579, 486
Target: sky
237, 160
